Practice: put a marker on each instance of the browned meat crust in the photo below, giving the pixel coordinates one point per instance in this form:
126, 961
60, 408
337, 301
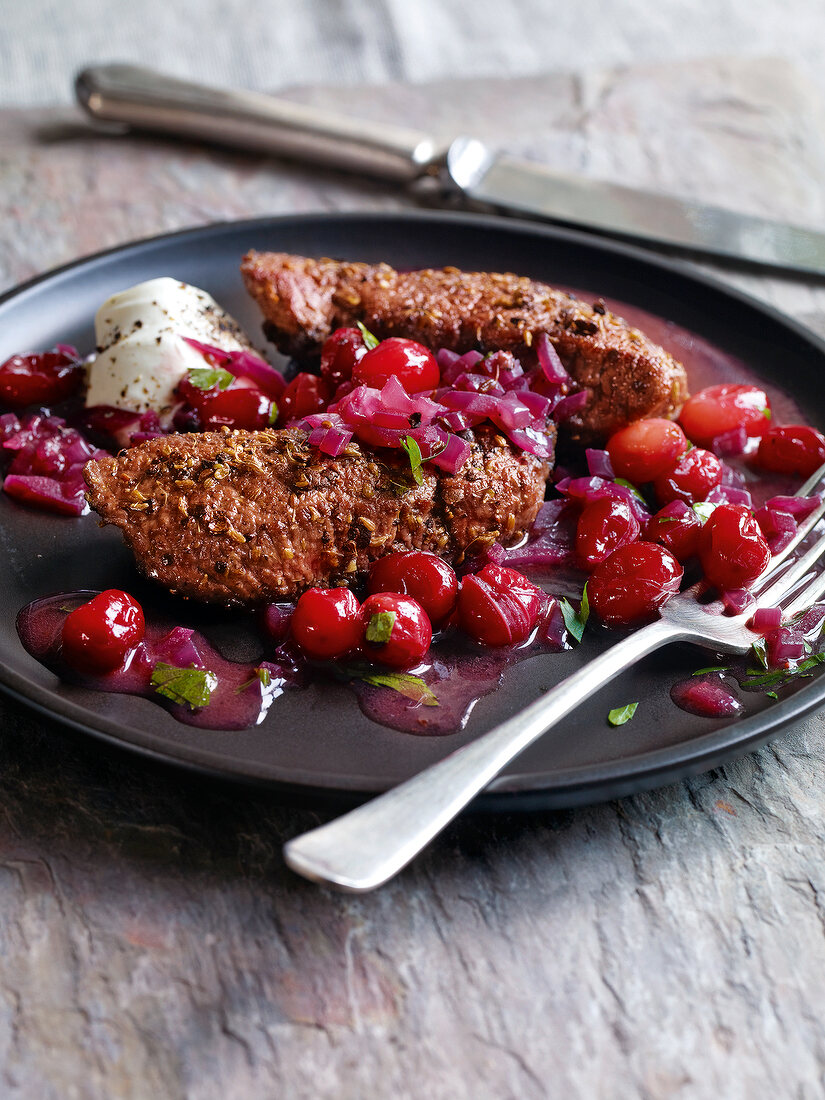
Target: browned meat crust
249, 517
629, 377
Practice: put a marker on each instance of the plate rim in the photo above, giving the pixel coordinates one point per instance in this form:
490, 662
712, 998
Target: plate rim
583, 784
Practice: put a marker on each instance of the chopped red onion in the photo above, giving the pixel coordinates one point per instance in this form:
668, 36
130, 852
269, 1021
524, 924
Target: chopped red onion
798, 507
549, 361
729, 494
47, 493
178, 648
737, 600
766, 619
330, 441
573, 403
708, 699
730, 443
244, 364
446, 358
783, 646
778, 528
598, 463
552, 537
275, 619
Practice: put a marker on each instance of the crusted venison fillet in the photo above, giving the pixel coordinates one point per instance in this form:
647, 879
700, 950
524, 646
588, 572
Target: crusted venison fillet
248, 517
629, 377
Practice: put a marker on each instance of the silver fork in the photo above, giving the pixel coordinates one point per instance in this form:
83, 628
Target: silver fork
366, 847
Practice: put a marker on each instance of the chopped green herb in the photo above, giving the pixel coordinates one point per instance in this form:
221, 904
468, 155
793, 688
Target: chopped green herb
710, 668
369, 339
206, 378
771, 695
411, 687
575, 621
629, 485
413, 451
760, 651
191, 687
766, 412
261, 677
273, 413
620, 715
704, 509
380, 627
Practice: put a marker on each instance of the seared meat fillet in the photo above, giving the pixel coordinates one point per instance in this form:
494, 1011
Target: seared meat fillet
249, 517
629, 377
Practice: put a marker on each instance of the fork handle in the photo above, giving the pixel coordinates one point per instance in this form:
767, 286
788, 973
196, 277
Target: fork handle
366, 847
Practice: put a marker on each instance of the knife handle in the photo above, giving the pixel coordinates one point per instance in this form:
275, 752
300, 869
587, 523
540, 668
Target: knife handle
147, 100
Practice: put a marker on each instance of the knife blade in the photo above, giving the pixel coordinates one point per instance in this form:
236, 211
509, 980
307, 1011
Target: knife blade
465, 171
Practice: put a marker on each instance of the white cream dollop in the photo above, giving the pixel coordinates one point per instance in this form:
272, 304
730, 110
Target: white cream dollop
143, 355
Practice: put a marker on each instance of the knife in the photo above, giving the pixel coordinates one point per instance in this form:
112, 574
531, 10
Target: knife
465, 171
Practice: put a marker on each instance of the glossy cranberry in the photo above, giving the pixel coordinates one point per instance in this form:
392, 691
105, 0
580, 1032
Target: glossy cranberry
718, 409
341, 351
420, 574
98, 636
326, 624
603, 526
41, 379
691, 479
498, 606
792, 449
412, 364
645, 449
732, 548
677, 528
242, 408
306, 394
633, 583
396, 630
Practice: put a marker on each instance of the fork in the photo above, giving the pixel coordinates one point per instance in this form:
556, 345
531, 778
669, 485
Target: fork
366, 847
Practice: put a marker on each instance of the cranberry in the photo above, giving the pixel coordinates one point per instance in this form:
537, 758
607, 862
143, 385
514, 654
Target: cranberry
718, 409
396, 629
341, 351
677, 528
39, 379
498, 606
325, 623
732, 548
420, 574
306, 394
645, 449
792, 449
238, 406
98, 636
603, 526
632, 583
412, 364
691, 479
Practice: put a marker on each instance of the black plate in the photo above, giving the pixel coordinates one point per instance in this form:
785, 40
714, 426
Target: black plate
317, 740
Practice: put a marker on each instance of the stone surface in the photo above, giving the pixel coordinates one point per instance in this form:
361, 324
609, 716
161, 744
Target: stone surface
152, 944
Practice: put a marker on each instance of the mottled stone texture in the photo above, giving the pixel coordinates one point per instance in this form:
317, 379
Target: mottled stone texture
152, 944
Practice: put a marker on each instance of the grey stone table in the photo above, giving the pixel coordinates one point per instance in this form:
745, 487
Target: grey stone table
152, 944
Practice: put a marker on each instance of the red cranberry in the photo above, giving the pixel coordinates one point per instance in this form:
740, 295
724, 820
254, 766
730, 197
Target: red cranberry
677, 528
603, 526
792, 449
396, 630
306, 394
632, 583
719, 409
412, 364
41, 379
732, 548
498, 606
420, 574
238, 406
691, 479
341, 351
325, 623
98, 636
645, 449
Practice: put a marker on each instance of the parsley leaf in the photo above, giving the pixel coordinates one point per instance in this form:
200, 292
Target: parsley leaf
411, 687
760, 651
262, 676
766, 412
620, 715
575, 621
370, 340
410, 445
629, 485
205, 378
710, 668
380, 627
191, 687
273, 413
703, 509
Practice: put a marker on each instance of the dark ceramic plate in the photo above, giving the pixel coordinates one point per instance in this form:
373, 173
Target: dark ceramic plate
317, 740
